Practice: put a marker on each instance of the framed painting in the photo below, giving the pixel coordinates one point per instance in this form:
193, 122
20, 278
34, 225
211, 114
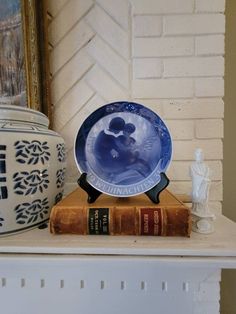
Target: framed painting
24, 69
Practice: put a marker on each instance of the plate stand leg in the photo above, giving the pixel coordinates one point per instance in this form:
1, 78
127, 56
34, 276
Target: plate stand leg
154, 193
93, 194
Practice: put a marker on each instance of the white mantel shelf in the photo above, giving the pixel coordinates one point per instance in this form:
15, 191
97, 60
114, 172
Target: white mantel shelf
219, 246
78, 274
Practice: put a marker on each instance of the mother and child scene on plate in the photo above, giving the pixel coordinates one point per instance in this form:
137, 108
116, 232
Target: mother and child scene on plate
123, 150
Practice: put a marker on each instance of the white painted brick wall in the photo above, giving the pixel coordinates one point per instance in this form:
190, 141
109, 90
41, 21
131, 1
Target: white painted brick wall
209, 128
213, 149
193, 108
163, 46
147, 25
162, 88
209, 87
183, 187
194, 24
209, 45
181, 129
162, 6
179, 170
165, 54
210, 5
147, 68
194, 67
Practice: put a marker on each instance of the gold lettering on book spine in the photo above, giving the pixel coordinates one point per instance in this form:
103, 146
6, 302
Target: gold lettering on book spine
146, 223
156, 222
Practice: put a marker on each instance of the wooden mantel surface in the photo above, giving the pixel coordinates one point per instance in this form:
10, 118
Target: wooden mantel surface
221, 243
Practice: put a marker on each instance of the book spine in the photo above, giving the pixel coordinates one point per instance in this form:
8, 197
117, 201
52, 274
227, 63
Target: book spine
98, 220
151, 221
121, 221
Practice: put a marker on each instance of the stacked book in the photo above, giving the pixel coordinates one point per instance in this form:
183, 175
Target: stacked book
110, 215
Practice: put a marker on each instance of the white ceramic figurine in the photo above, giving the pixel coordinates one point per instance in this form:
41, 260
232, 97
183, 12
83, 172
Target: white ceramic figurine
202, 218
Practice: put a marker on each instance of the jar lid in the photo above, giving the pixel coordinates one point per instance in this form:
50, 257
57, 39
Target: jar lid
24, 114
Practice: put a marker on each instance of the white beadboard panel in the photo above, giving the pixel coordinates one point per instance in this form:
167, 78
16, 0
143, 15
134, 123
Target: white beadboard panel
67, 284
209, 291
207, 307
165, 54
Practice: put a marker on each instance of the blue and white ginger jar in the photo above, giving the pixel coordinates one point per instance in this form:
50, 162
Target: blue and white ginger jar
32, 169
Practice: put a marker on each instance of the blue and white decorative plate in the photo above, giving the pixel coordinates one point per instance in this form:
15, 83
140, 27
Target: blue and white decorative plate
123, 147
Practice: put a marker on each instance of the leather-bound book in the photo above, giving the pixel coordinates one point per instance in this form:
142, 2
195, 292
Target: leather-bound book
110, 215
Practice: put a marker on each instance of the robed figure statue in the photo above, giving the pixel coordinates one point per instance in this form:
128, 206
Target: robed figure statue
200, 174
202, 218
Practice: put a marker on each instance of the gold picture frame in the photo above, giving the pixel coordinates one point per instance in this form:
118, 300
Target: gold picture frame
24, 60
34, 22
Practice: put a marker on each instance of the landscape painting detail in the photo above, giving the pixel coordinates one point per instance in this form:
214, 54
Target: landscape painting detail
12, 66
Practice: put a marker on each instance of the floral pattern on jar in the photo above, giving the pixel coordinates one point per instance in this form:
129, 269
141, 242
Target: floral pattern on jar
32, 152
30, 182
60, 177
61, 152
27, 213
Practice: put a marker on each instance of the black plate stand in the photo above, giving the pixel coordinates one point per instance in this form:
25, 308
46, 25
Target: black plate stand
153, 193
